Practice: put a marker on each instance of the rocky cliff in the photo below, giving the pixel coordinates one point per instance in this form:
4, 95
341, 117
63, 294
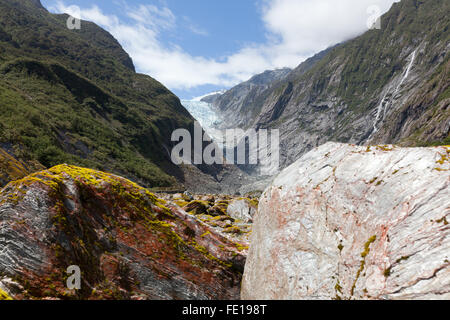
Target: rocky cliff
237, 107
349, 222
128, 243
385, 86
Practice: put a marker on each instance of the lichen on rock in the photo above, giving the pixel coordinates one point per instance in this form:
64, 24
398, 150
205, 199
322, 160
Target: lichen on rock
128, 243
4, 295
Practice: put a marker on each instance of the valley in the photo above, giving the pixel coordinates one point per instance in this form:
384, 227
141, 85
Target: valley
356, 205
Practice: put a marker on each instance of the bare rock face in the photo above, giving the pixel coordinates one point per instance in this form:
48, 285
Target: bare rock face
337, 94
128, 243
348, 222
242, 209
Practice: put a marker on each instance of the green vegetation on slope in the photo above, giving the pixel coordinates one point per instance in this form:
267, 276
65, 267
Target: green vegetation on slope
370, 61
72, 96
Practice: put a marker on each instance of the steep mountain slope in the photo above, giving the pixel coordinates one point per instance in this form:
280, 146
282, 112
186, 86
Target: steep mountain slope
385, 86
235, 105
73, 96
13, 169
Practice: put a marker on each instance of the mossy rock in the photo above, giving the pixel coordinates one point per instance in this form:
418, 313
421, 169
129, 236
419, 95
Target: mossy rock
217, 210
211, 200
114, 224
181, 203
187, 196
4, 295
233, 229
253, 202
197, 207
223, 218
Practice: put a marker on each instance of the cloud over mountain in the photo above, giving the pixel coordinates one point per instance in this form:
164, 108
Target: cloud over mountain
295, 29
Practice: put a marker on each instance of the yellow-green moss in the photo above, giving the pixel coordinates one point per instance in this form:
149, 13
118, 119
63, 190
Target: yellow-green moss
444, 158
373, 180
178, 243
385, 148
367, 246
181, 203
240, 247
208, 255
221, 218
363, 261
218, 209
197, 207
205, 234
387, 272
442, 220
338, 287
233, 229
404, 258
252, 201
4, 295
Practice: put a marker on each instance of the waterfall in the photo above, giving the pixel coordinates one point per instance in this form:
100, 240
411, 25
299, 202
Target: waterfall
388, 96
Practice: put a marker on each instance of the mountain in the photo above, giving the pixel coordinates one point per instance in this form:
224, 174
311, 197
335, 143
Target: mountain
73, 96
385, 86
211, 97
235, 105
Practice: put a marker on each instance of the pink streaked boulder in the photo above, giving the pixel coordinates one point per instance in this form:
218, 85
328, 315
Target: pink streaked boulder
349, 222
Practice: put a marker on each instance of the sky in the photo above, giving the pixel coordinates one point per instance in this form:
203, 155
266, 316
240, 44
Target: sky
195, 47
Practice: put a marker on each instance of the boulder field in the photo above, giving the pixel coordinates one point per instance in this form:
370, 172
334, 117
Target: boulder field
353, 222
127, 242
343, 222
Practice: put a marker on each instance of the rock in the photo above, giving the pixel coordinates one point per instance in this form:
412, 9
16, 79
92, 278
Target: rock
187, 196
128, 243
242, 209
348, 222
216, 211
219, 208
210, 199
4, 295
177, 196
234, 102
197, 207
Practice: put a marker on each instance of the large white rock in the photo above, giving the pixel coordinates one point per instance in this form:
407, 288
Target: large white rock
352, 223
241, 209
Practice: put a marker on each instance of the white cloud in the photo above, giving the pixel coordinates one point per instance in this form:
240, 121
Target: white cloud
153, 17
295, 30
307, 26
